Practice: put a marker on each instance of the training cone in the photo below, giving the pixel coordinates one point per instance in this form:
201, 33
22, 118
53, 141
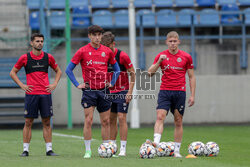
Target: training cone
191, 156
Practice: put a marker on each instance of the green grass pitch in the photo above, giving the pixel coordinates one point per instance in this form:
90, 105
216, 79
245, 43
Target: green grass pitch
234, 143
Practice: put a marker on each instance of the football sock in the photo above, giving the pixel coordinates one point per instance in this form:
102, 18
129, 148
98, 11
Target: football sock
157, 138
105, 141
177, 147
113, 141
87, 145
123, 144
48, 147
26, 147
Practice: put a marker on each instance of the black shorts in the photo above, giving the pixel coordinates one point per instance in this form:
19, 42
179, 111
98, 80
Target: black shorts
119, 102
172, 100
96, 98
33, 103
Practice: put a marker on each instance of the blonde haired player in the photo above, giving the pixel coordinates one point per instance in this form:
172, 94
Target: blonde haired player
174, 64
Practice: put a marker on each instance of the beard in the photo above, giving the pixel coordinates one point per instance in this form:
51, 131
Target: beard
38, 48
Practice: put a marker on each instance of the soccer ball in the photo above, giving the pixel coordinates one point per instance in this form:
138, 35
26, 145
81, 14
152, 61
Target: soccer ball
114, 146
170, 148
211, 149
162, 149
105, 150
196, 148
147, 151
148, 142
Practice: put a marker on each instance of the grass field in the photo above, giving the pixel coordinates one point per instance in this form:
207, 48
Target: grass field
234, 142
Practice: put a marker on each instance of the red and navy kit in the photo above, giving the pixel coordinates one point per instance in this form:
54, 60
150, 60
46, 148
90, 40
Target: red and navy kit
121, 87
38, 79
36, 68
122, 82
172, 93
94, 63
174, 69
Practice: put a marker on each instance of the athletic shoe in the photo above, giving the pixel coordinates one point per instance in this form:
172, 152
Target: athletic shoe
115, 156
25, 154
122, 153
51, 153
177, 155
87, 154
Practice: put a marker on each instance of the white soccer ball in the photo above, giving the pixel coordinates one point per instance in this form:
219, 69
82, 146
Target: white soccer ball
170, 148
105, 150
147, 151
196, 148
114, 146
211, 149
162, 149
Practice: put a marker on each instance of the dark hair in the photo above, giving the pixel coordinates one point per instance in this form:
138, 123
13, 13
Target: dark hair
107, 38
95, 28
36, 35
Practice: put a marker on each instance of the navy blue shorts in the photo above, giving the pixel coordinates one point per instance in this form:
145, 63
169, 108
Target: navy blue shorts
33, 103
172, 100
96, 98
119, 102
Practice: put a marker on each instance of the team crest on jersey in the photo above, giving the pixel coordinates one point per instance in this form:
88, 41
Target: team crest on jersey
103, 54
25, 112
179, 59
90, 53
85, 105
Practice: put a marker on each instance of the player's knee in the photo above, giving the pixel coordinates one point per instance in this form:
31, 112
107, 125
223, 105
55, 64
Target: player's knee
28, 123
113, 122
106, 122
122, 118
160, 117
178, 122
88, 121
46, 124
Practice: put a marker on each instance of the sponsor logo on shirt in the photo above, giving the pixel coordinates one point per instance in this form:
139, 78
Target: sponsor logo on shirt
172, 67
37, 65
90, 53
89, 62
98, 62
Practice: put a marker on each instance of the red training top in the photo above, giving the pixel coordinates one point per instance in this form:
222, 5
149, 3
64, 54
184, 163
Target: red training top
39, 80
174, 68
94, 63
122, 82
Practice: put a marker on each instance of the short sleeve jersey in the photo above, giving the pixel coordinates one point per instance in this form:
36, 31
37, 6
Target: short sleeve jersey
122, 82
174, 69
39, 80
94, 64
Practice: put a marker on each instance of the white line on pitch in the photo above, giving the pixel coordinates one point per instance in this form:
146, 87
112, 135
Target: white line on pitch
69, 136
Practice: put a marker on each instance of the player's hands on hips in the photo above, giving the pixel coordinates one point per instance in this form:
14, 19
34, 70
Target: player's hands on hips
27, 88
83, 86
162, 57
190, 101
51, 87
128, 97
108, 85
